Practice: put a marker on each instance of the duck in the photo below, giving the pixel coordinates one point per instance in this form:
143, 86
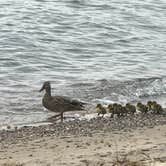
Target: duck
59, 104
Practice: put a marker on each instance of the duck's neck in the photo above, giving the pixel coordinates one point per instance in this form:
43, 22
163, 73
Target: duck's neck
48, 91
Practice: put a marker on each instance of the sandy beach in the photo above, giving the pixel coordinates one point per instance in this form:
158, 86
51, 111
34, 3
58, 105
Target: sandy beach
83, 59
87, 143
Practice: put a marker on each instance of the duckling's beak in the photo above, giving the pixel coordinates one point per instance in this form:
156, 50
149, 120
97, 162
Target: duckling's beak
43, 87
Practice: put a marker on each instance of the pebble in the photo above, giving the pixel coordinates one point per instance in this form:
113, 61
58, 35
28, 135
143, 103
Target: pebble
81, 128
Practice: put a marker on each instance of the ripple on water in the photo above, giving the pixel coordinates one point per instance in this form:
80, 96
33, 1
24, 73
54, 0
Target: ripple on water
75, 43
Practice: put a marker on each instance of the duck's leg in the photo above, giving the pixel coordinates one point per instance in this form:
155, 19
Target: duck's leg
54, 117
61, 117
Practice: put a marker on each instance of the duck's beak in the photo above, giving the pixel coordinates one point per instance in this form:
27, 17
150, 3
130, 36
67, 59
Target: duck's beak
43, 87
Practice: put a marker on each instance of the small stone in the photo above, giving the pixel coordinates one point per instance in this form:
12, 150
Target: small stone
8, 127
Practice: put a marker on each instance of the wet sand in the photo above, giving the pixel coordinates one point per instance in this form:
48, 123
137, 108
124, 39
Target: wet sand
87, 143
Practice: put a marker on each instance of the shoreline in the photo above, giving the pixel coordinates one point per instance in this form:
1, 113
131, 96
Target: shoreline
83, 126
84, 135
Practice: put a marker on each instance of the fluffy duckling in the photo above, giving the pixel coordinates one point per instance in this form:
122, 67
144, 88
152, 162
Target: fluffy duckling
117, 109
114, 109
110, 108
159, 109
142, 108
139, 106
156, 108
149, 105
120, 110
100, 110
127, 107
124, 111
131, 109
153, 106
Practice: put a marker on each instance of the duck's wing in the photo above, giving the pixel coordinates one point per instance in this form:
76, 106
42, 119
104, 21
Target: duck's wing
67, 104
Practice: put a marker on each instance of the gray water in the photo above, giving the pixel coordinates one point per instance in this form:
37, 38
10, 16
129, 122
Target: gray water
92, 50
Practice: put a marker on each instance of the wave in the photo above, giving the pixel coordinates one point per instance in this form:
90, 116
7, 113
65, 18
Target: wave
120, 91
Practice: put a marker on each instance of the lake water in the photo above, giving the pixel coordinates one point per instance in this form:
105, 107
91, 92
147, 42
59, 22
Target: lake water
96, 51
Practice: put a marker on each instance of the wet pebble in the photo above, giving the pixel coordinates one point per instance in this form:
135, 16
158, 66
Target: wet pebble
80, 128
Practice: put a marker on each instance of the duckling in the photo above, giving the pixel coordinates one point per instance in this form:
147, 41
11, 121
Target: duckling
138, 106
117, 109
153, 106
113, 109
142, 108
120, 111
100, 110
124, 111
156, 108
110, 108
159, 109
131, 109
149, 105
127, 108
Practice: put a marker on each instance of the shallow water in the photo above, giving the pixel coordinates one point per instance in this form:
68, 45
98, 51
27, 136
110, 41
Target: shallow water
93, 50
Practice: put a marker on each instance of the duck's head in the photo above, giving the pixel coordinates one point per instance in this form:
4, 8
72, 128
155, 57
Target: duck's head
46, 85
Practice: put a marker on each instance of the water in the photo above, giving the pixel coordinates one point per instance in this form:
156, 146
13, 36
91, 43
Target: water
97, 51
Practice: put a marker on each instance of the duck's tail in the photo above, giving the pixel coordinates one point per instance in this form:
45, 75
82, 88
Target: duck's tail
79, 105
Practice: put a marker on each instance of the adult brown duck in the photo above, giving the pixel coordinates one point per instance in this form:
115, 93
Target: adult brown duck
59, 104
